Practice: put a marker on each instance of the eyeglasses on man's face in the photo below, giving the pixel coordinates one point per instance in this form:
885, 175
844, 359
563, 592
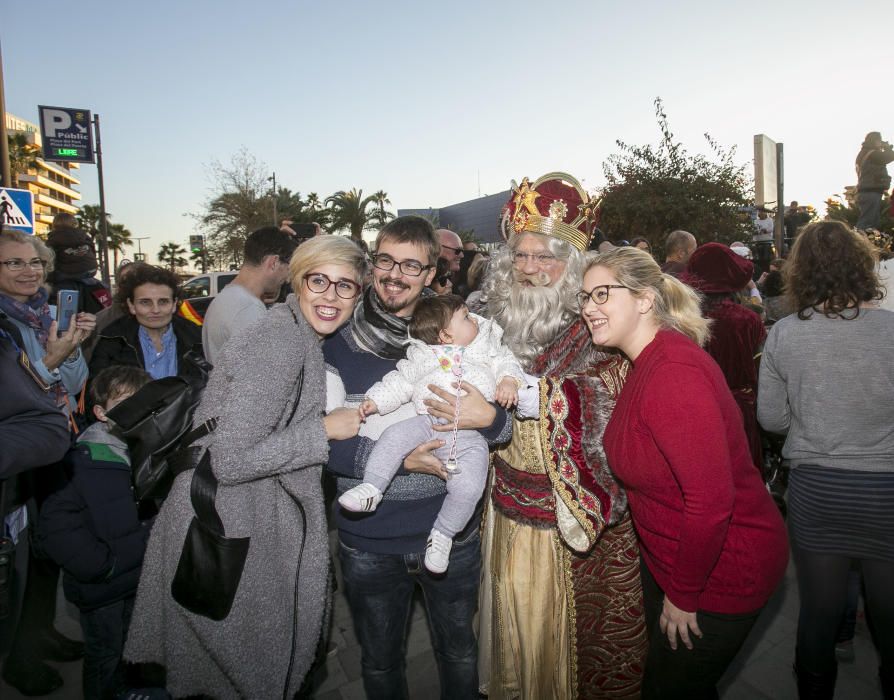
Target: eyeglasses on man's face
412, 268
540, 259
17, 264
319, 283
456, 251
599, 294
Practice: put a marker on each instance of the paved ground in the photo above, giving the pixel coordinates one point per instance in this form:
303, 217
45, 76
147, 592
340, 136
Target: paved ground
762, 671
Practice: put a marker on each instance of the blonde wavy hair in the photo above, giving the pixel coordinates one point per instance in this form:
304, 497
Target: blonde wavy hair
532, 317
676, 306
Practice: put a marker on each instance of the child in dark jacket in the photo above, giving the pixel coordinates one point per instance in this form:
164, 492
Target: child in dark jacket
92, 529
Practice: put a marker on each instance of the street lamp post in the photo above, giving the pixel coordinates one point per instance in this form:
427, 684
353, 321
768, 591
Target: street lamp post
139, 256
273, 179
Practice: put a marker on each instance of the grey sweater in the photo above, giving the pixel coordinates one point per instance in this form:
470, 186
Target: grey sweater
829, 383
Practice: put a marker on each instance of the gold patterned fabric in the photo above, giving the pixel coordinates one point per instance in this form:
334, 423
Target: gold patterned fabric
561, 617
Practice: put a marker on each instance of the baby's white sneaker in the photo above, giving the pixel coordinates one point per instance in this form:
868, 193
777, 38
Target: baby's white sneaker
437, 552
363, 498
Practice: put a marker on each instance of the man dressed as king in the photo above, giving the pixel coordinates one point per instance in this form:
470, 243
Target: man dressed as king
561, 600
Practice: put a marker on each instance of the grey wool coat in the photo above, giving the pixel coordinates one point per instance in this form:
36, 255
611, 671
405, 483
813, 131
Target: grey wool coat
262, 465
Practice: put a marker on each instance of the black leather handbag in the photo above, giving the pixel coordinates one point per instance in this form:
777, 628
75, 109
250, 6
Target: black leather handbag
211, 564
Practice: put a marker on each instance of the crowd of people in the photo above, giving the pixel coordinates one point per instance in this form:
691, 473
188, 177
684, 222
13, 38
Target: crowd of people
562, 447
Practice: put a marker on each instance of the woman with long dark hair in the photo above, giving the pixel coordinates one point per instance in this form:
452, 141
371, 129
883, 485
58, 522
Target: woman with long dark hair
827, 380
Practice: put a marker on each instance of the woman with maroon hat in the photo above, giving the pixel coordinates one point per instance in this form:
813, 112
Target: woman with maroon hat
737, 333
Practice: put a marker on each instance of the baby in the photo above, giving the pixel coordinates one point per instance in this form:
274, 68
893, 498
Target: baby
448, 345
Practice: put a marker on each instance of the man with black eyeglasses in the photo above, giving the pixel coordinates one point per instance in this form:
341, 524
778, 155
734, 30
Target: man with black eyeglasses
382, 553
451, 249
241, 303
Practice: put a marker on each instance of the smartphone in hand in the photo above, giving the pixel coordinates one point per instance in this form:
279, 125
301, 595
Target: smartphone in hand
66, 309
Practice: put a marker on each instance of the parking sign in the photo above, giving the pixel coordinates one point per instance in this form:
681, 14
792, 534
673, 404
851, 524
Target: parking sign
67, 134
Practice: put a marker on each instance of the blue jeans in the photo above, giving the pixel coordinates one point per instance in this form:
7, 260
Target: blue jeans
870, 206
380, 587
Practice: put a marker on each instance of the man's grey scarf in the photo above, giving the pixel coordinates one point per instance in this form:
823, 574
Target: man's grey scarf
378, 331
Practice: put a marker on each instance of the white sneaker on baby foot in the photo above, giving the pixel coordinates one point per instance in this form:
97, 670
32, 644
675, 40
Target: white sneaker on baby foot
361, 499
437, 552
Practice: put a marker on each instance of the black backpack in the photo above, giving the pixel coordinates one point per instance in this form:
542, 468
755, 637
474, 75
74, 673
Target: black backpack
156, 423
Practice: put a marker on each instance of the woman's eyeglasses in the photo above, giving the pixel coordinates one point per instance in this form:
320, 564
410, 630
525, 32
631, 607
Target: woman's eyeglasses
16, 264
599, 294
319, 283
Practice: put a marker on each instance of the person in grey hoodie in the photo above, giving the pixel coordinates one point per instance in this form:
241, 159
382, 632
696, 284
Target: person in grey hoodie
267, 453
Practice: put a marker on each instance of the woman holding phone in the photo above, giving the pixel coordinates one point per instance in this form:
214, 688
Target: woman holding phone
55, 357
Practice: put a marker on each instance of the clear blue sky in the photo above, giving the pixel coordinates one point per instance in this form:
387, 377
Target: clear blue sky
417, 98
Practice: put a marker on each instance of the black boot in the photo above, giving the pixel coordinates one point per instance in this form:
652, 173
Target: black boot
886, 676
816, 686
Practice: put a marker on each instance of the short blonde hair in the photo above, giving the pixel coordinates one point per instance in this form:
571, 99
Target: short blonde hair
326, 250
44, 252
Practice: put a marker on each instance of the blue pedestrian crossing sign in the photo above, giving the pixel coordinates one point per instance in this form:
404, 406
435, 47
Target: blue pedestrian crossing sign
17, 209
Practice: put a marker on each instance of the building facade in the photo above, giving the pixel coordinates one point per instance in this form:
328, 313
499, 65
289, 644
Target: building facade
481, 216
53, 185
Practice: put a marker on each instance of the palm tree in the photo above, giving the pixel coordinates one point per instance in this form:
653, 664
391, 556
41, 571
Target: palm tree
351, 211
171, 254
119, 239
22, 156
382, 216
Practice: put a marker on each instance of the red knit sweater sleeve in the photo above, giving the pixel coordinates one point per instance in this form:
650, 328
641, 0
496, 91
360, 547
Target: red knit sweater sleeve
682, 412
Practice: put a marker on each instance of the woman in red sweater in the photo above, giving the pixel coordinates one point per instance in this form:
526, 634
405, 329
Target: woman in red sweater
713, 543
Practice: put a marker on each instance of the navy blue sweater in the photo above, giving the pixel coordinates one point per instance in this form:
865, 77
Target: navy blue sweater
397, 526
91, 527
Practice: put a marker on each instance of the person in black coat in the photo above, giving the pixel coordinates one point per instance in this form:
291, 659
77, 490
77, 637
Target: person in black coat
150, 336
34, 432
92, 529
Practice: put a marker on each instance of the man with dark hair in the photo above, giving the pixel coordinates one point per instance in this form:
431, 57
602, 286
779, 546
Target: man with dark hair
241, 303
382, 552
678, 247
150, 335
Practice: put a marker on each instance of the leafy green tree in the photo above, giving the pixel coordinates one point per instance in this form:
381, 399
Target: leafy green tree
119, 238
653, 190
382, 215
353, 212
171, 254
844, 209
89, 217
22, 156
468, 236
240, 203
299, 211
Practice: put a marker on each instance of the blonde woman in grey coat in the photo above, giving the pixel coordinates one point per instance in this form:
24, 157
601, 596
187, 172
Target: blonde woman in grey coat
266, 459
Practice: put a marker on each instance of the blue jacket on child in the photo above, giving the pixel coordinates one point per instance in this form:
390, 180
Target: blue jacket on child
91, 527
